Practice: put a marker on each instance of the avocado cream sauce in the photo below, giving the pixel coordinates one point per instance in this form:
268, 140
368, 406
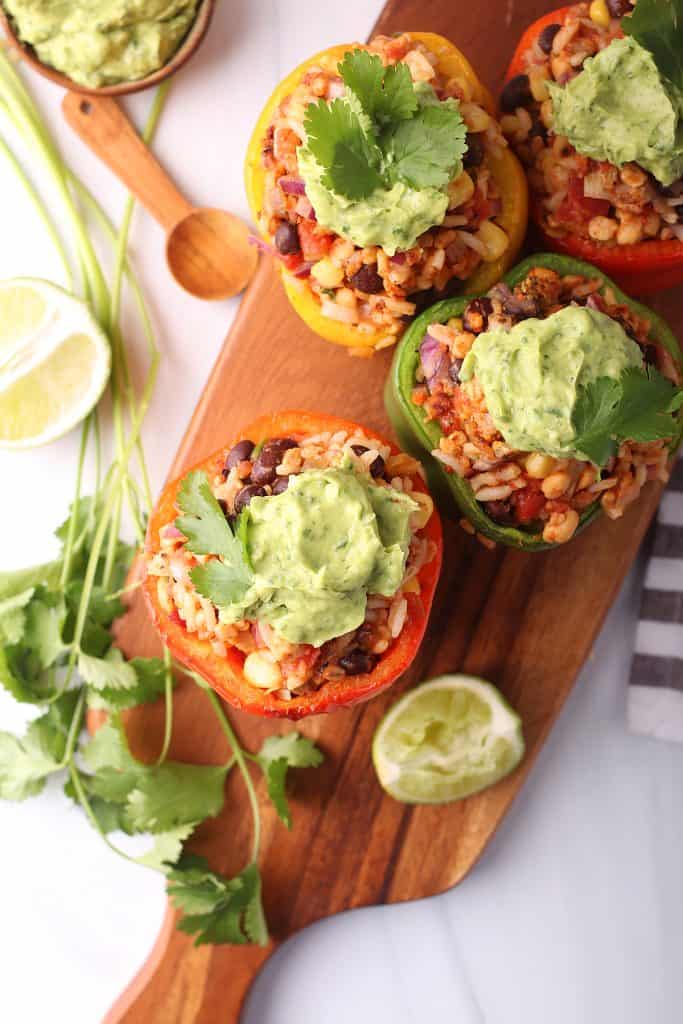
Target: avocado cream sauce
318, 549
104, 41
393, 218
620, 109
531, 375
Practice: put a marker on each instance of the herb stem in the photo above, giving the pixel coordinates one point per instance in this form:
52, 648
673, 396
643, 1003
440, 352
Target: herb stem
168, 707
239, 757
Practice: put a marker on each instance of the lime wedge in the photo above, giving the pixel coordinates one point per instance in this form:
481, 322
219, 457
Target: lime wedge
54, 362
446, 739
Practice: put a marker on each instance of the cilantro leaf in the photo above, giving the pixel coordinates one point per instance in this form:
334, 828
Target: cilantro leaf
26, 763
167, 848
22, 676
13, 616
175, 794
19, 580
658, 26
336, 138
594, 420
644, 408
217, 909
637, 407
150, 674
426, 150
157, 798
45, 617
112, 671
208, 533
385, 93
277, 755
217, 581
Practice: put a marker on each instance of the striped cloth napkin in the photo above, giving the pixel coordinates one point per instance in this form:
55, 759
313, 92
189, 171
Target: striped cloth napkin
655, 697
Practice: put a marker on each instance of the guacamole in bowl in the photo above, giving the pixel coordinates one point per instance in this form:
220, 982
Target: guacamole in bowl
105, 43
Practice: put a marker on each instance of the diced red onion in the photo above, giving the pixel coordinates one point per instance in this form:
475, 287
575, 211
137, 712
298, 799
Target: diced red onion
303, 270
399, 258
596, 301
292, 186
433, 359
171, 532
304, 208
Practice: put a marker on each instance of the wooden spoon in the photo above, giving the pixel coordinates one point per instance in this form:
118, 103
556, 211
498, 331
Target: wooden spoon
207, 250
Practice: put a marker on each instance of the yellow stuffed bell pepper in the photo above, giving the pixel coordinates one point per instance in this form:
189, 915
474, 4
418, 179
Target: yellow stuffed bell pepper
330, 302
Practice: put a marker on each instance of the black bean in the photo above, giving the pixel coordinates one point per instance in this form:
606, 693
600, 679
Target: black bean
357, 662
377, 464
367, 280
618, 8
474, 153
500, 512
238, 453
272, 452
261, 474
287, 239
454, 370
517, 93
477, 313
545, 40
243, 497
280, 485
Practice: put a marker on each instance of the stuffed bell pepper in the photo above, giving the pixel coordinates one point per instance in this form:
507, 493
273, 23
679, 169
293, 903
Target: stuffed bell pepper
294, 570
377, 176
593, 106
549, 399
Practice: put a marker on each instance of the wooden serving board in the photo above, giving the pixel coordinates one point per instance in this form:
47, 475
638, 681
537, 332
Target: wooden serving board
524, 621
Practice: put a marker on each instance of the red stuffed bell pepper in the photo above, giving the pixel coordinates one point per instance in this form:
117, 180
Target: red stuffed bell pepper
294, 570
619, 218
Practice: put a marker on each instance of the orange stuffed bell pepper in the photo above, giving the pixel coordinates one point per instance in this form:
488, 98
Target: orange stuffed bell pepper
621, 219
379, 179
294, 570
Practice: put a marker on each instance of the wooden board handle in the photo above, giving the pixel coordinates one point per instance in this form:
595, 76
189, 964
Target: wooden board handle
106, 130
179, 983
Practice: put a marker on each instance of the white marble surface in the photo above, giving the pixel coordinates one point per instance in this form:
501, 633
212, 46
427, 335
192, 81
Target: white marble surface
574, 916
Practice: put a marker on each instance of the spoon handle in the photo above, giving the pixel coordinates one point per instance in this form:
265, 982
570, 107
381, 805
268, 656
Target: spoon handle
104, 127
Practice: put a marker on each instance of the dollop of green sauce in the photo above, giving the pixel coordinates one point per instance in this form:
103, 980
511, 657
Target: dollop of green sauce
318, 549
393, 218
531, 375
103, 42
620, 109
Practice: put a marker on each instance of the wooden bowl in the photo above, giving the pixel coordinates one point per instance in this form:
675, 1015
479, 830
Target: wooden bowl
180, 57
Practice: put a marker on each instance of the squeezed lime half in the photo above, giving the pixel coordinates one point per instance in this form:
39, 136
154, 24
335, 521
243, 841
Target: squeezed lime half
446, 739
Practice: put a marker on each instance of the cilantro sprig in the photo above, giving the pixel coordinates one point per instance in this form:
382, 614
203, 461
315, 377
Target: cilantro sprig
380, 135
637, 407
57, 652
225, 580
658, 26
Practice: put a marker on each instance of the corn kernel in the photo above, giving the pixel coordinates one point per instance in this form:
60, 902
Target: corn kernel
494, 239
328, 274
475, 117
539, 465
460, 190
260, 671
599, 13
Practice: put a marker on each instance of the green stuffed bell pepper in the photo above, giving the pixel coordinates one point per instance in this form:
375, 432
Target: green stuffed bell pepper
550, 399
